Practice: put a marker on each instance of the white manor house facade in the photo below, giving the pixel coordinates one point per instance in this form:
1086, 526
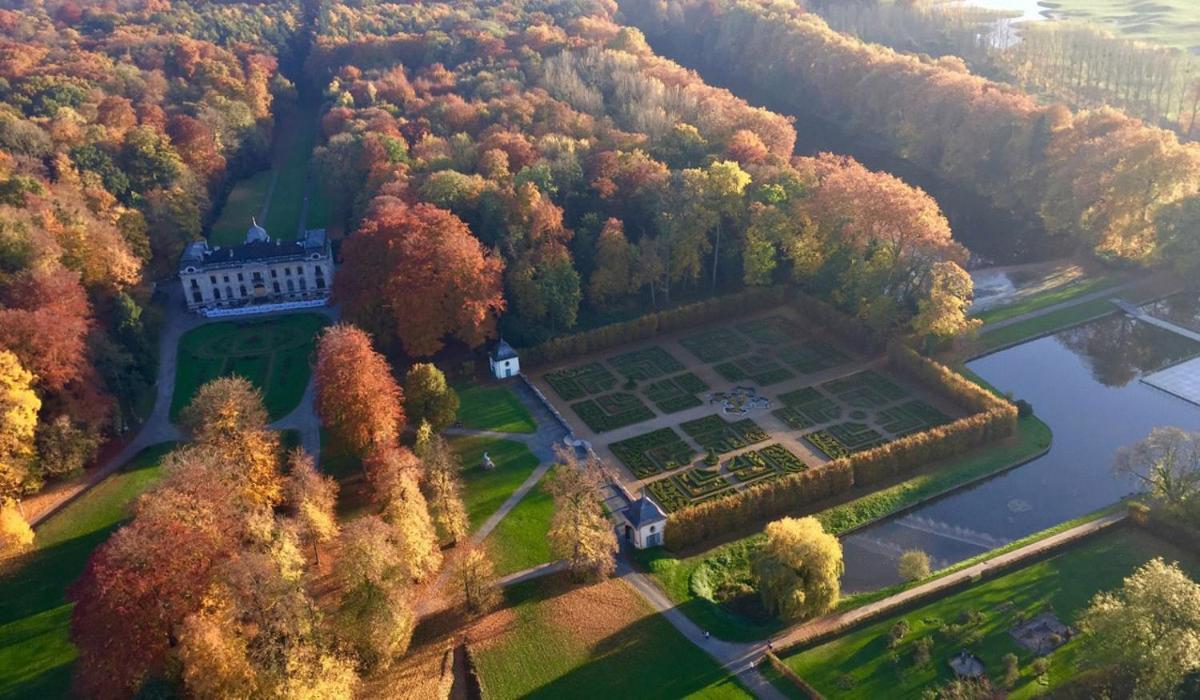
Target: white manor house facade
258, 273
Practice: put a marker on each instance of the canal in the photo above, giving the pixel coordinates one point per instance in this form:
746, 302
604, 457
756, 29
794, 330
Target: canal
1084, 383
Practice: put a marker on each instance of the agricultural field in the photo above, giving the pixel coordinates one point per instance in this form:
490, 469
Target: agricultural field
272, 353
558, 641
756, 399
987, 620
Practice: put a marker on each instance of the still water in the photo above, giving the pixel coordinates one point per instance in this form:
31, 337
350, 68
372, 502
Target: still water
1084, 383
1028, 9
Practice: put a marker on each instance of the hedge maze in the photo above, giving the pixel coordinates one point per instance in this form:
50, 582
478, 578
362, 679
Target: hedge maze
845, 439
715, 345
807, 407
770, 461
612, 411
577, 382
771, 330
675, 394
811, 356
713, 433
867, 390
650, 453
757, 368
911, 417
647, 363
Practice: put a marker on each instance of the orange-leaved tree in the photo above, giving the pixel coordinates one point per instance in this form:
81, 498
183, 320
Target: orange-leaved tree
358, 399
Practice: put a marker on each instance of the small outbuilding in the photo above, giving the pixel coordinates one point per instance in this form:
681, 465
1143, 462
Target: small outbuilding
504, 361
643, 523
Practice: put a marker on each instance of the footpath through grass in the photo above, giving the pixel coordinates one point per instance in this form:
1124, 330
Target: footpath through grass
485, 491
519, 540
494, 408
1049, 297
599, 641
272, 353
730, 562
860, 665
36, 653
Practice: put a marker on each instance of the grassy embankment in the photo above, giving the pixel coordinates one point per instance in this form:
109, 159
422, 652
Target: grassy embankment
36, 654
860, 665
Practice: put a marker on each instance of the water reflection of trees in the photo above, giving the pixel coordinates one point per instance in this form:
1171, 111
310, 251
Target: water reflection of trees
1118, 349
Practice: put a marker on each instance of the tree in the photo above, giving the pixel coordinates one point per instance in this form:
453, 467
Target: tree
443, 490
393, 472
1167, 463
357, 398
15, 533
374, 615
19, 407
312, 497
223, 410
427, 397
579, 531
63, 447
914, 565
942, 308
475, 578
613, 278
416, 275
1149, 629
1012, 671
798, 568
44, 319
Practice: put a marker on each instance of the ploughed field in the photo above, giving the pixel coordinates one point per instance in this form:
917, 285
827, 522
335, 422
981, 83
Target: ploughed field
707, 411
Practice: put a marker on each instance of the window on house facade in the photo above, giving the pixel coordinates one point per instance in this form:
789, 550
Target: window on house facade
291, 286
196, 297
276, 284
303, 285
216, 293
274, 273
225, 279
195, 285
242, 288
287, 271
240, 277
212, 279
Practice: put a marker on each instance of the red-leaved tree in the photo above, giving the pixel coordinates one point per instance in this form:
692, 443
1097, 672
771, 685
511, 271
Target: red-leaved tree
358, 399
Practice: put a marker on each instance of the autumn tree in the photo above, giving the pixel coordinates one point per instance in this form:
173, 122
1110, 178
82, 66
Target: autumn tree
1148, 629
374, 616
427, 397
613, 278
19, 406
579, 532
224, 409
476, 581
312, 498
357, 398
798, 568
942, 307
443, 487
394, 473
416, 275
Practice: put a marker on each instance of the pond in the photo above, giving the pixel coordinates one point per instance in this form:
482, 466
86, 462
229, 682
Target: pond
1084, 383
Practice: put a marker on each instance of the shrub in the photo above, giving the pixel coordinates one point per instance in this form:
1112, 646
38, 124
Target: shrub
711, 458
896, 633
922, 651
914, 565
1040, 666
1012, 673
1024, 408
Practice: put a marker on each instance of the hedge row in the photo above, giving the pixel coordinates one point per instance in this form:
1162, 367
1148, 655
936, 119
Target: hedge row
992, 418
650, 325
802, 685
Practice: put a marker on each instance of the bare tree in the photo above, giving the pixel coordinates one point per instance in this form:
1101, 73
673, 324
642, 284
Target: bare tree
1167, 463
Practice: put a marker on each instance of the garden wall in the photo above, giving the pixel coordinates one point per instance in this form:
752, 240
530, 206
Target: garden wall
991, 418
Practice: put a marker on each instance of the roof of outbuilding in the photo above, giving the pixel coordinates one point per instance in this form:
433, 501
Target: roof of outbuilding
644, 511
503, 351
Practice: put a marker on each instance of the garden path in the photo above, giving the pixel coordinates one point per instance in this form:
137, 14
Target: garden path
303, 419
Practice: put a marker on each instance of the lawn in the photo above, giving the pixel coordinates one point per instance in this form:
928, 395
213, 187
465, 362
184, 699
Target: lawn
273, 354
859, 665
1056, 295
485, 491
293, 147
675, 575
245, 201
493, 408
599, 641
519, 540
36, 653
1168, 22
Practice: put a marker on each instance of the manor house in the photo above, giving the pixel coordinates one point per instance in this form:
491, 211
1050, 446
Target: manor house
258, 272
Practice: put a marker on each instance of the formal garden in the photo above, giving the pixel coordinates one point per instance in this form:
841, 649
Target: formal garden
272, 353
731, 405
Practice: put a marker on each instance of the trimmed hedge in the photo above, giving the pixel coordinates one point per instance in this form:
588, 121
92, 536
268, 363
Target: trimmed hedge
650, 325
991, 418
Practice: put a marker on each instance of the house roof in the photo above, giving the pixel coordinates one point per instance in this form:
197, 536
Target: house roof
200, 256
503, 351
644, 511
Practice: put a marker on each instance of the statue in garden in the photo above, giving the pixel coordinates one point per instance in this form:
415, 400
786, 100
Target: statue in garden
488, 465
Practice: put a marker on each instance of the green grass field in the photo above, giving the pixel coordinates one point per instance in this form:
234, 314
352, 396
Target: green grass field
485, 491
493, 408
36, 653
293, 147
859, 665
273, 354
519, 540
244, 202
674, 574
1168, 22
1050, 297
601, 641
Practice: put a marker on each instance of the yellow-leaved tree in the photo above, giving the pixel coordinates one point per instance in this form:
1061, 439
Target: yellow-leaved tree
19, 407
798, 569
579, 531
